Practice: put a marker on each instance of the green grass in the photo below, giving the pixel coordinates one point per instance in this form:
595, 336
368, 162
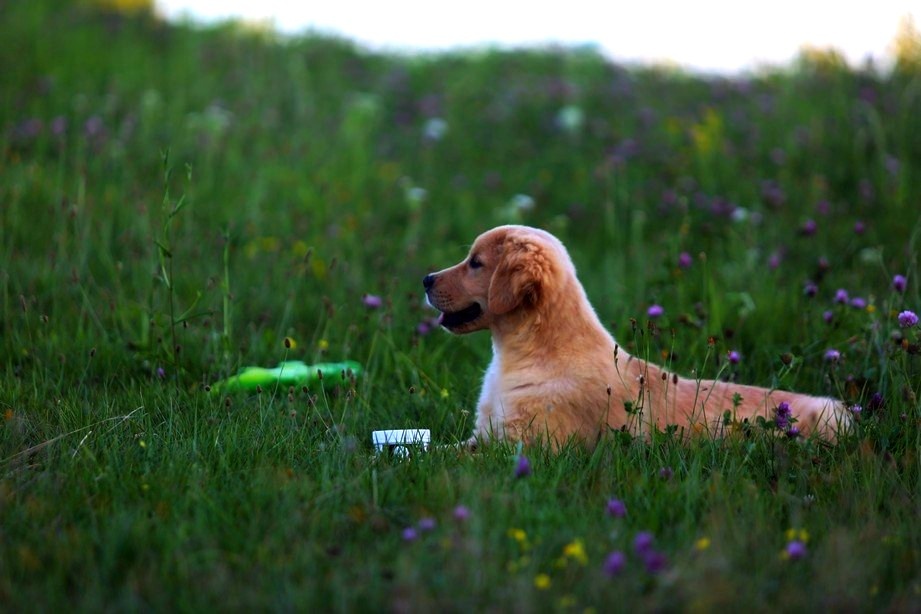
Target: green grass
306, 182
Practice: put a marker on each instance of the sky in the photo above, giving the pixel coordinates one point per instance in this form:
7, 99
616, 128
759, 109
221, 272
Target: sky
723, 36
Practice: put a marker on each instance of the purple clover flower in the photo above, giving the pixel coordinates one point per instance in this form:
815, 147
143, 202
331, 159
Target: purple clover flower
793, 432
685, 260
809, 228
616, 508
522, 467
796, 550
642, 543
841, 296
899, 283
866, 190
772, 193
859, 227
410, 534
719, 206
614, 563
655, 311
908, 319
372, 301
58, 126
93, 127
782, 415
655, 562
28, 130
427, 325
858, 302
810, 289
427, 524
892, 165
828, 316
832, 355
461, 513
775, 260
876, 402
823, 264
734, 357
856, 409
868, 94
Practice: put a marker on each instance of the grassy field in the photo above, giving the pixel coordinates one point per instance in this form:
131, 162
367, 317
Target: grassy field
176, 203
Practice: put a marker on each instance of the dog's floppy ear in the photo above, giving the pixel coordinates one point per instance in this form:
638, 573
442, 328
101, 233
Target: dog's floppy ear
521, 276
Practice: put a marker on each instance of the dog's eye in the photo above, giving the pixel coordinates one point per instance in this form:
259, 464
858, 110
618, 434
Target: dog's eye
475, 262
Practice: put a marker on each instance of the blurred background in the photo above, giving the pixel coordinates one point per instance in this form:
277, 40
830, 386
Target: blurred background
328, 157
708, 35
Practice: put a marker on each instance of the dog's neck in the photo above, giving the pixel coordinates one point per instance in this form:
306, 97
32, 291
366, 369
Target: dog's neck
513, 334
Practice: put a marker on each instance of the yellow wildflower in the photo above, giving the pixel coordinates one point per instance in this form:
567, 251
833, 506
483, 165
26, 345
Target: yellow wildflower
798, 534
127, 6
518, 535
576, 550
702, 544
542, 581
318, 267
300, 249
269, 244
708, 134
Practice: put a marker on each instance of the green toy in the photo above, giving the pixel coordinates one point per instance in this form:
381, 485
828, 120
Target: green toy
290, 373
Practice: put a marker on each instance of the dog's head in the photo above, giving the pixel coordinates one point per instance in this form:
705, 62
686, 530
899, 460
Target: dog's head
508, 269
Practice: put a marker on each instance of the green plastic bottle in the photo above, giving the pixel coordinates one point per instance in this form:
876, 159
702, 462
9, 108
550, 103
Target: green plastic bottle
290, 373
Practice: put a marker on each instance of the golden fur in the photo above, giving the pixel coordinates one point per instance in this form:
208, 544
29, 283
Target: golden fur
556, 372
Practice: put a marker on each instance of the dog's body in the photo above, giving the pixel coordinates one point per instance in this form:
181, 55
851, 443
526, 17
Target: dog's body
557, 373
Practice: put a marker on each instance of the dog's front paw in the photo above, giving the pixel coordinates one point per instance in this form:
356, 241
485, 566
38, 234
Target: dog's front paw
467, 445
470, 445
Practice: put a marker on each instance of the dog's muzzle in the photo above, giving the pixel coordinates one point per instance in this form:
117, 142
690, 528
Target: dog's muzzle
450, 319
456, 319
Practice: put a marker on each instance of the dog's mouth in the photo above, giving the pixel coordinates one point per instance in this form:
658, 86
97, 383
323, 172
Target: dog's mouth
457, 319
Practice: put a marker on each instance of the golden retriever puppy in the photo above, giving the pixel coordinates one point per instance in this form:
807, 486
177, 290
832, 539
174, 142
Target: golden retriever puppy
556, 373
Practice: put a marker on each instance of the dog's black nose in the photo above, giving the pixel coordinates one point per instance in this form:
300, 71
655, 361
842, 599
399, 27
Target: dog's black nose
428, 281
